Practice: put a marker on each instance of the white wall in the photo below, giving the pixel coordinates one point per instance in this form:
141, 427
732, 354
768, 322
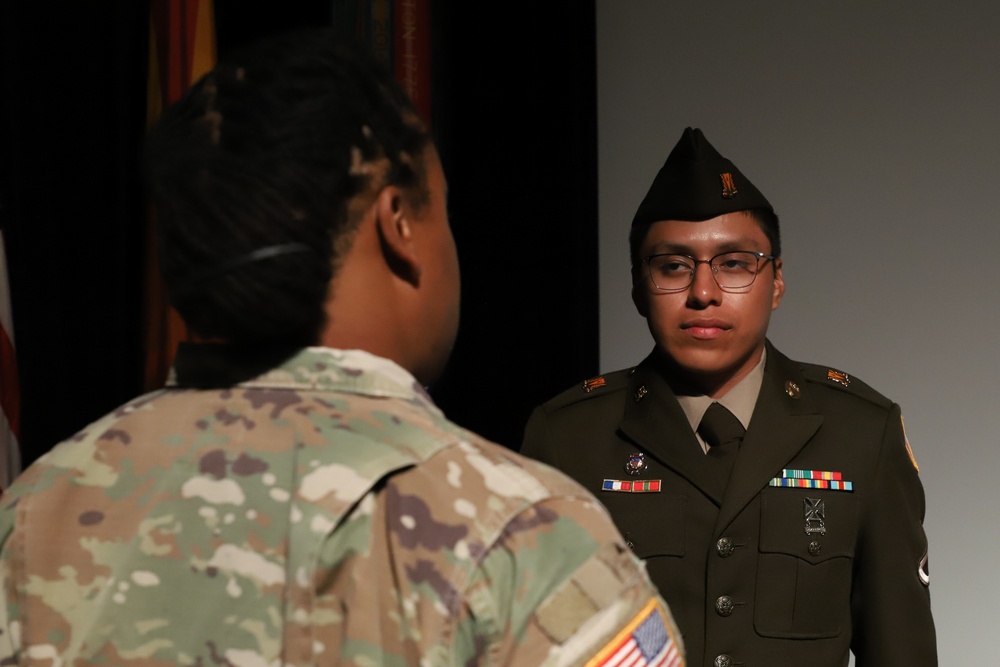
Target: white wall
874, 130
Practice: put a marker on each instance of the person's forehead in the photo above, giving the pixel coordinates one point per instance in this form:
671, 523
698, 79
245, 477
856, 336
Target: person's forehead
725, 231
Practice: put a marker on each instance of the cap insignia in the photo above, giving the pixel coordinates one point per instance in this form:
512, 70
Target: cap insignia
728, 187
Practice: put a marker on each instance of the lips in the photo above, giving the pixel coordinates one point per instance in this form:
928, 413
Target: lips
705, 328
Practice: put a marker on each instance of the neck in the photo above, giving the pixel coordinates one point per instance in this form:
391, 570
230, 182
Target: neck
686, 382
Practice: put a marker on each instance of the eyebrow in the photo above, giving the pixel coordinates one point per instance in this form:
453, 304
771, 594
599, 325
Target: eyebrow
666, 247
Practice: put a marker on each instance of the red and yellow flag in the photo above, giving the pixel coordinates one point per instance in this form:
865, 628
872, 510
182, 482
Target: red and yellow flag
181, 49
10, 394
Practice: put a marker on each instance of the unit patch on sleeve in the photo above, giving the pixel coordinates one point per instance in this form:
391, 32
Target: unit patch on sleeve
909, 450
645, 641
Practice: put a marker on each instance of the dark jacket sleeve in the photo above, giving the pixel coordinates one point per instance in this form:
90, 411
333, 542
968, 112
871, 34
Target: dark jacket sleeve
891, 600
536, 443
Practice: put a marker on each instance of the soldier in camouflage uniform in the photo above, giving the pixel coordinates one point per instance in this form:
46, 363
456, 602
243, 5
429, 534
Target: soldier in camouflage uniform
293, 497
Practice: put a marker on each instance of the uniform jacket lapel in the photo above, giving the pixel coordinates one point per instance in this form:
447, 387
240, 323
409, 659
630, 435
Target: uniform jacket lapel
654, 420
783, 422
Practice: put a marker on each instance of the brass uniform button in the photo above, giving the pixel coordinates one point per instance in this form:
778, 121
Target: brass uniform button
724, 606
815, 548
723, 661
724, 547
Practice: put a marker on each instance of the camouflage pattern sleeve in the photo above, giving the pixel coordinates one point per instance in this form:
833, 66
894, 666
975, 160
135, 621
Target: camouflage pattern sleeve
477, 556
565, 590
8, 605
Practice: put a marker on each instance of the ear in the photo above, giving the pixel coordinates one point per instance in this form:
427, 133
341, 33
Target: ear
395, 231
779, 284
640, 295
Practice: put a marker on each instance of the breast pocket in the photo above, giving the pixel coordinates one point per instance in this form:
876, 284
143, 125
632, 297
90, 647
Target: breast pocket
652, 524
807, 540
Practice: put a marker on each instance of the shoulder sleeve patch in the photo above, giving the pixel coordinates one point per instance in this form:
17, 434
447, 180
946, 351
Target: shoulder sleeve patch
909, 449
922, 572
648, 639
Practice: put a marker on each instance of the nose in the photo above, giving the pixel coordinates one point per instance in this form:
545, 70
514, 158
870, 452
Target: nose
704, 290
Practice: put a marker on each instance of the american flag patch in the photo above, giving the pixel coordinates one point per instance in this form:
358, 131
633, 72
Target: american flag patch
632, 486
646, 640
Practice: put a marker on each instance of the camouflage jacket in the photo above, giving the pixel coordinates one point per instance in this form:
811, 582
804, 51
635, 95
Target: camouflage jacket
321, 511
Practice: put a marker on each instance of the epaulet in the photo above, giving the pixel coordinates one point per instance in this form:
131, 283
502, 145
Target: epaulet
597, 386
831, 377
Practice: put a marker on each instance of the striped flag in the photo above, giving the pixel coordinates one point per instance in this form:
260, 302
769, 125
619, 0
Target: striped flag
646, 642
181, 49
10, 393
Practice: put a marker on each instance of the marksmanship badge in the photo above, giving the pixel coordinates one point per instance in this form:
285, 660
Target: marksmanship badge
815, 512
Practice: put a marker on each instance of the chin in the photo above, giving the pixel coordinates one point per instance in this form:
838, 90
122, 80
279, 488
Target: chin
706, 371
703, 366
700, 360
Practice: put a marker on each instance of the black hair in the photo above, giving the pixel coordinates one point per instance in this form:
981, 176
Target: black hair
253, 173
765, 218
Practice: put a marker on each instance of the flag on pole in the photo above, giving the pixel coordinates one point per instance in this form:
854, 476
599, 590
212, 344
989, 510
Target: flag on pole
182, 48
10, 393
399, 35
412, 52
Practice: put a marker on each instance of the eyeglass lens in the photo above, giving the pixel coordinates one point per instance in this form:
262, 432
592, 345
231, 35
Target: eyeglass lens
732, 270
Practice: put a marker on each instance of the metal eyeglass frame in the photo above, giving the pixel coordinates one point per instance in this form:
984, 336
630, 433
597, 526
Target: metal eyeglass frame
715, 271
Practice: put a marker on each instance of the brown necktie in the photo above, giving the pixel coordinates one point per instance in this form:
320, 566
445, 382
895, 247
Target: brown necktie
723, 432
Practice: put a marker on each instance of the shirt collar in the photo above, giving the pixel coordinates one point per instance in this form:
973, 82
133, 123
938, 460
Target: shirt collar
305, 369
740, 400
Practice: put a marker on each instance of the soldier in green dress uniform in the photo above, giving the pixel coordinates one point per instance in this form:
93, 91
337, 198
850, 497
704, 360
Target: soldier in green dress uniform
776, 504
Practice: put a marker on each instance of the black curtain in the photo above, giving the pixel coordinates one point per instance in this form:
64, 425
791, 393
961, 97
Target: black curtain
514, 114
73, 105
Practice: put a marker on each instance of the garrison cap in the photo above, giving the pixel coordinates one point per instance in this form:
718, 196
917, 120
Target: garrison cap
697, 183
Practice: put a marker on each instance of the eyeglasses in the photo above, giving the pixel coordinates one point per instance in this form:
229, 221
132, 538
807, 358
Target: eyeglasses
732, 270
